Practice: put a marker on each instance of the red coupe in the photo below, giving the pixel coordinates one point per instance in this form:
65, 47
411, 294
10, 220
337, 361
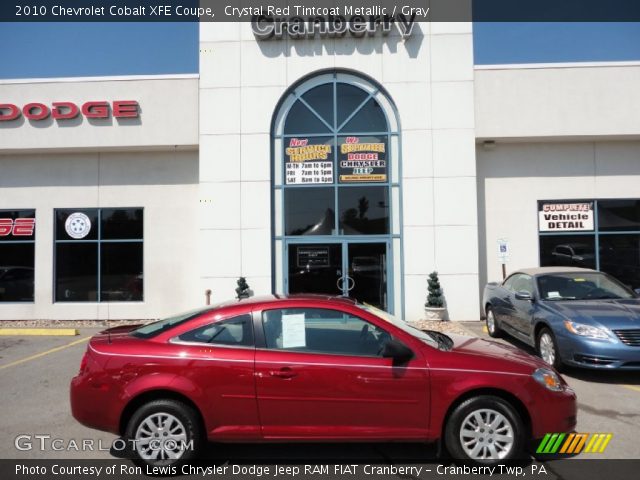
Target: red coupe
311, 368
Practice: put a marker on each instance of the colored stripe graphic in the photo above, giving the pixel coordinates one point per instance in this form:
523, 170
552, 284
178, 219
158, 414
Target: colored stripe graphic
574, 443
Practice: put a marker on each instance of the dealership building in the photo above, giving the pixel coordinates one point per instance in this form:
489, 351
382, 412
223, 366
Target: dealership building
350, 164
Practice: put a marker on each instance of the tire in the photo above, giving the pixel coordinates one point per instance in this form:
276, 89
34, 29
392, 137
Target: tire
485, 430
493, 329
547, 348
149, 423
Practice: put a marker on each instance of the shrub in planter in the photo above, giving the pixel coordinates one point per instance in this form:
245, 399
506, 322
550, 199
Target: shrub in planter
434, 308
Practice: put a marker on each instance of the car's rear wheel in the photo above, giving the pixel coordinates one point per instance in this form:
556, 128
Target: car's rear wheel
492, 325
547, 348
484, 430
163, 433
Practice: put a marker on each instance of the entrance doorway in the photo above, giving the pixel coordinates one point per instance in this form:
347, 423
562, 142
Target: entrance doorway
351, 269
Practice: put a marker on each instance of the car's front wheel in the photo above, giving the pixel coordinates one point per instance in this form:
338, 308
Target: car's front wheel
484, 430
492, 325
163, 433
548, 348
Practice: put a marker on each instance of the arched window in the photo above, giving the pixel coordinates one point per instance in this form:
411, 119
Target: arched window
336, 157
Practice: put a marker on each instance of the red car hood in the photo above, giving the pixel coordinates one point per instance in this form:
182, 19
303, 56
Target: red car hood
492, 353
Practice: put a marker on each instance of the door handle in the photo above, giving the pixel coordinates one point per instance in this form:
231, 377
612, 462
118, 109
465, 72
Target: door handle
285, 373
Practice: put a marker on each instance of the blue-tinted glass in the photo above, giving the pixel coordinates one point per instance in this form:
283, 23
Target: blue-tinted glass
302, 120
370, 118
321, 100
348, 98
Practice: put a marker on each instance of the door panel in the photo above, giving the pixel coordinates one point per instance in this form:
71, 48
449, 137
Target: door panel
368, 273
304, 392
315, 268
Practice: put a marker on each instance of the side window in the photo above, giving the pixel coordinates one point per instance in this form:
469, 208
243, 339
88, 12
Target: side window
524, 283
236, 331
322, 331
510, 282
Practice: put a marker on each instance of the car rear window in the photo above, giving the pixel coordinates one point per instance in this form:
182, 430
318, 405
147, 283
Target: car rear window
152, 329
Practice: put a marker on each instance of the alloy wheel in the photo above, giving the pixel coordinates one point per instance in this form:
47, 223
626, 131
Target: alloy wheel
160, 436
486, 434
547, 348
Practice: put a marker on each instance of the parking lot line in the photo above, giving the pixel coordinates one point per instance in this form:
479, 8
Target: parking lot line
42, 354
632, 387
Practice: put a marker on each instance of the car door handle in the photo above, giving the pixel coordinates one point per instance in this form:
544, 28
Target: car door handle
285, 372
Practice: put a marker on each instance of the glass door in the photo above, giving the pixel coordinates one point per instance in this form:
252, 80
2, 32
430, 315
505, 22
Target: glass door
351, 269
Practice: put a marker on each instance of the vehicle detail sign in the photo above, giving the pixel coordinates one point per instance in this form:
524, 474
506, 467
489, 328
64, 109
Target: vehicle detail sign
308, 161
566, 217
362, 159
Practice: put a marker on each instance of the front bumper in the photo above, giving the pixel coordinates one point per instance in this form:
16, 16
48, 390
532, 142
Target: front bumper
597, 354
553, 412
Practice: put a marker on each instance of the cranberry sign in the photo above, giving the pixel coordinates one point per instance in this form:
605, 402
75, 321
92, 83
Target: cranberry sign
68, 110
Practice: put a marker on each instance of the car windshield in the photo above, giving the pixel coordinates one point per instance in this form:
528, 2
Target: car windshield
152, 329
581, 286
419, 334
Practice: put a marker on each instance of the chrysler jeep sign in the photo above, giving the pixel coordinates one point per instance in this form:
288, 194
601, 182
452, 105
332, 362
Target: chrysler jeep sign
265, 26
37, 111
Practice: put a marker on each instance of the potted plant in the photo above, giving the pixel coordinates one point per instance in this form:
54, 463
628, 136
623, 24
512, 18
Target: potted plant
243, 290
434, 308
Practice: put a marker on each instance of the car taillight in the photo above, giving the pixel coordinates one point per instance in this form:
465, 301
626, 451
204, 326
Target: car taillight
83, 362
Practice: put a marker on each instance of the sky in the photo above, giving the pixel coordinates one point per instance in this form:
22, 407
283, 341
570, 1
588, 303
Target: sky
37, 50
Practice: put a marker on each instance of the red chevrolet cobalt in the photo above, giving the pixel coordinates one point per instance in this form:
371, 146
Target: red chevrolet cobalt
310, 368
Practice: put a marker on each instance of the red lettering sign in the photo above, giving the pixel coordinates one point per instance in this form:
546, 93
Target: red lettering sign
20, 227
68, 110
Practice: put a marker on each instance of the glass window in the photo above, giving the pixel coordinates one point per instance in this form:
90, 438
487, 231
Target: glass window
510, 282
370, 118
321, 100
17, 254
309, 211
99, 255
236, 331
349, 98
580, 286
568, 251
302, 120
524, 283
317, 330
619, 215
620, 257
364, 210
155, 328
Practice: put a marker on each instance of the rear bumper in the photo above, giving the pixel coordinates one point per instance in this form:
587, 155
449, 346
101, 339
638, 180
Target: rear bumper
90, 405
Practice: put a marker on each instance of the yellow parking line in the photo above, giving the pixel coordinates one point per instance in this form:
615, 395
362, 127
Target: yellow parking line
57, 332
484, 329
42, 354
632, 387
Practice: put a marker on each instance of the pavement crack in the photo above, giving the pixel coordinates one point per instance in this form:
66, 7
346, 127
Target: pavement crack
610, 414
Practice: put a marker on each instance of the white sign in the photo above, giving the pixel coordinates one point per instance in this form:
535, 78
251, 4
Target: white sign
293, 334
300, 173
566, 217
77, 225
503, 250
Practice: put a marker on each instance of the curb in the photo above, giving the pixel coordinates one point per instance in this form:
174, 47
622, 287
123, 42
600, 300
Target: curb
57, 332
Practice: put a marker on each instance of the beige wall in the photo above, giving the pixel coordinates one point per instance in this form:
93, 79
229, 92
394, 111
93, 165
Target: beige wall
168, 113
513, 177
163, 183
557, 101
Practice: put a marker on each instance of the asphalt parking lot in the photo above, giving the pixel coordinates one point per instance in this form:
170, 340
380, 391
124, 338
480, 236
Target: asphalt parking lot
35, 374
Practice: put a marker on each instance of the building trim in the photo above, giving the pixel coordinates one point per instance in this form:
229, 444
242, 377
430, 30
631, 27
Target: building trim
534, 66
172, 76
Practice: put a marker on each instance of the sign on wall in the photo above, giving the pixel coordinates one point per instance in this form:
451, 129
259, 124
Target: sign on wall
17, 227
362, 159
308, 161
566, 217
36, 111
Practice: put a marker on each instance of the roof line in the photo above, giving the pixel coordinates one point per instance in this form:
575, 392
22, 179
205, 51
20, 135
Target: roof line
108, 78
533, 66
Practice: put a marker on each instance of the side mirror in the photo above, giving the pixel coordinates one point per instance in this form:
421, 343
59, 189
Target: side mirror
397, 350
524, 296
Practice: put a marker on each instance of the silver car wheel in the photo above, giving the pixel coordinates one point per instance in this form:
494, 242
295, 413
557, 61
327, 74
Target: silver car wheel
161, 437
491, 322
486, 434
547, 348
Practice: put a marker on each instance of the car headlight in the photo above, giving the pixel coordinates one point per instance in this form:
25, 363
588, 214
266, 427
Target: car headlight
586, 330
548, 379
